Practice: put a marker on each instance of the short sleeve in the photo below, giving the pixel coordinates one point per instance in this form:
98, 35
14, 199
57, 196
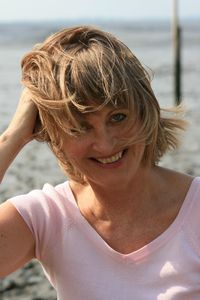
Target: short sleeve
42, 210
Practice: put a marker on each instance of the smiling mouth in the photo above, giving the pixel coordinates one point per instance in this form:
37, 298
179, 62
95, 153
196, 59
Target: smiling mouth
111, 159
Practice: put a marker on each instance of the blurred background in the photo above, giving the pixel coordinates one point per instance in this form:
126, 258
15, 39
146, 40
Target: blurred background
146, 27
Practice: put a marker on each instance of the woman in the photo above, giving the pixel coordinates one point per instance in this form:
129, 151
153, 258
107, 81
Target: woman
122, 227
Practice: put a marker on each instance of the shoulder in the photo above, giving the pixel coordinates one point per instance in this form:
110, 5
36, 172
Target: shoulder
192, 200
191, 211
46, 212
184, 191
41, 198
46, 204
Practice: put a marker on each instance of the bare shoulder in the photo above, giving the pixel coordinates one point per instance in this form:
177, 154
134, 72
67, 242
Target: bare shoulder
176, 179
172, 189
16, 240
176, 186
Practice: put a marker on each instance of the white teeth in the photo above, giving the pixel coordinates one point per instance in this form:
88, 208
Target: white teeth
111, 159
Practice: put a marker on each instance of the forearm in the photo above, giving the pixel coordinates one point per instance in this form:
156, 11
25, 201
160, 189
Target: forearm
10, 146
19, 132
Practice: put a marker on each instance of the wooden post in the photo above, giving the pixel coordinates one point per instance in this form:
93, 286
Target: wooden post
176, 31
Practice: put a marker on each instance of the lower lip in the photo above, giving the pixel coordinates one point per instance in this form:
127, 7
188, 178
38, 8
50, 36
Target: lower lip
112, 165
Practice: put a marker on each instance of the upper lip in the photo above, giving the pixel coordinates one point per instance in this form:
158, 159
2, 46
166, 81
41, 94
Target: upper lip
116, 155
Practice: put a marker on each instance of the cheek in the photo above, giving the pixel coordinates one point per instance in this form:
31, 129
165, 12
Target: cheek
74, 150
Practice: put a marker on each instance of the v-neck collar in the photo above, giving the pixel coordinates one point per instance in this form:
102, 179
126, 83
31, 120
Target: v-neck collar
156, 243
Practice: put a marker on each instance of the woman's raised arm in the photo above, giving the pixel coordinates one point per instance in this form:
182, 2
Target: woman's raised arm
16, 240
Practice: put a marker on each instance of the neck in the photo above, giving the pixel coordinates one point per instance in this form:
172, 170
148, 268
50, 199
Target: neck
128, 200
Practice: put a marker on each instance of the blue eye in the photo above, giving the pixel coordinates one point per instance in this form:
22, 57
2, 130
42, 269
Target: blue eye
119, 117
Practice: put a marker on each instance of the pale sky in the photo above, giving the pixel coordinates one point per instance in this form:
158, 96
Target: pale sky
50, 10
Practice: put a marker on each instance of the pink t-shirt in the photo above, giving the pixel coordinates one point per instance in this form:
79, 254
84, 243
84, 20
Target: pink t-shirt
81, 266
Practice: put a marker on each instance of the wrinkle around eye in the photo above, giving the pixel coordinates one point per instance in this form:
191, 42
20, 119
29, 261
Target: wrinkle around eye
77, 132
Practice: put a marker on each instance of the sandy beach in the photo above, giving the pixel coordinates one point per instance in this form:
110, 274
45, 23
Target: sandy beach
36, 165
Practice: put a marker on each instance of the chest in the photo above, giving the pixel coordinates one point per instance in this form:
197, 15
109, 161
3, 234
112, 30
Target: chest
128, 237
88, 269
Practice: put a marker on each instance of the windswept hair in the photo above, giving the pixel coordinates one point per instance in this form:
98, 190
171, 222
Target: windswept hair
82, 69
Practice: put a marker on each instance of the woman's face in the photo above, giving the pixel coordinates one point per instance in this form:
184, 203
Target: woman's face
98, 153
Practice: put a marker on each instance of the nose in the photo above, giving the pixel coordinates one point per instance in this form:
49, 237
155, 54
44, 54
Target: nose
104, 141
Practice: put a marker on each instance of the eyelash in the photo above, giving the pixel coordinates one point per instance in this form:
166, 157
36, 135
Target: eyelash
76, 132
122, 117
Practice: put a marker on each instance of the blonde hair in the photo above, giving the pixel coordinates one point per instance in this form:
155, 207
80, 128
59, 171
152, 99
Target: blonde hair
82, 69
